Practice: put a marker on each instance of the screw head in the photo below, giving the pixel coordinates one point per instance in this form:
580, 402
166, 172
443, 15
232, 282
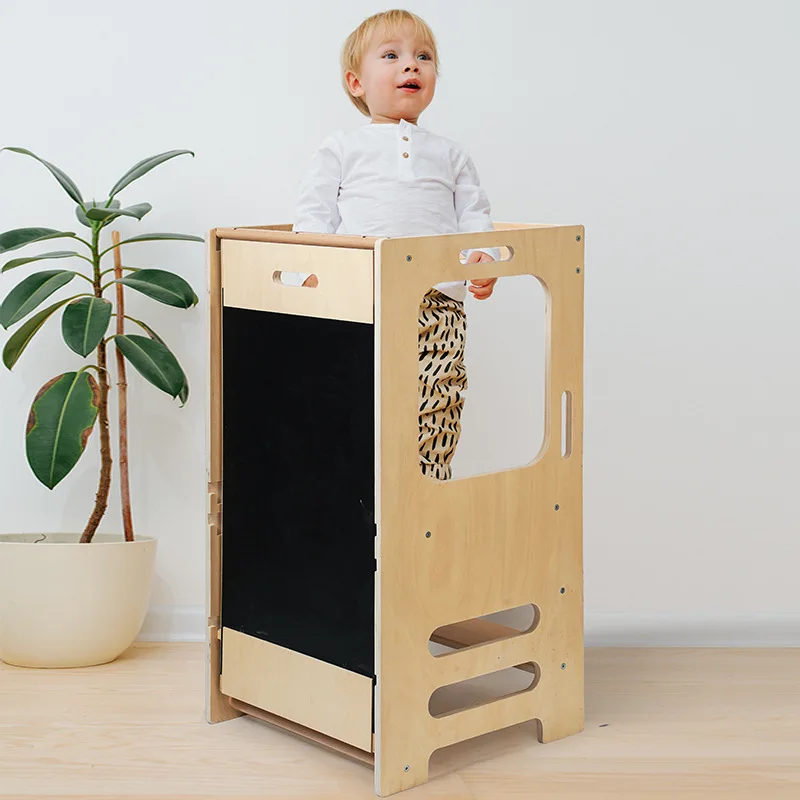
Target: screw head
556, 506
563, 666
408, 258
578, 238
427, 534
406, 768
578, 270
563, 590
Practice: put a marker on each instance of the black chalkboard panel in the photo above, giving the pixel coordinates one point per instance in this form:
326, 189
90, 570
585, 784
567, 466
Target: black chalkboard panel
298, 484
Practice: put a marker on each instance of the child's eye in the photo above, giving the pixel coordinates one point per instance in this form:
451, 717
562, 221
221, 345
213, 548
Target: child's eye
389, 55
425, 56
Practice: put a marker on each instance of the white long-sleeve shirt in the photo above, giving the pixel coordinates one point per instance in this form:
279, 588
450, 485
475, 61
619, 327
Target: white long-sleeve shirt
392, 180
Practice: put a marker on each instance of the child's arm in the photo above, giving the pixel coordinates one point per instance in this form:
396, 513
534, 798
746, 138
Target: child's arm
317, 209
474, 214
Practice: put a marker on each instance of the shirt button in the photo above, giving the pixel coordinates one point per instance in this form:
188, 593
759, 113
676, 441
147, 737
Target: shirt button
405, 155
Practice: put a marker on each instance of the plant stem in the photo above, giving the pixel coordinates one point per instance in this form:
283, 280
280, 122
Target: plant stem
101, 498
106, 271
122, 392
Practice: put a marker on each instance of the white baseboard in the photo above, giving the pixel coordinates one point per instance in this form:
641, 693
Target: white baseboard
174, 624
188, 624
667, 630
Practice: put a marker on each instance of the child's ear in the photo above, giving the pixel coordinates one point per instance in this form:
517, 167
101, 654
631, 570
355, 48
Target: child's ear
353, 84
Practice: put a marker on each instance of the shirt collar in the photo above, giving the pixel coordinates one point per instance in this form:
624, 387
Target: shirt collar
405, 124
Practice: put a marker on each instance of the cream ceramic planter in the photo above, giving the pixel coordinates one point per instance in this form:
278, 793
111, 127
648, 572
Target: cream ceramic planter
66, 604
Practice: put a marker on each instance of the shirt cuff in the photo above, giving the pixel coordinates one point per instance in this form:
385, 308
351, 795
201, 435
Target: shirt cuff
494, 252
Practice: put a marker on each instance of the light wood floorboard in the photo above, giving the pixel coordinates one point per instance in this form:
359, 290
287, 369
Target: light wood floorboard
660, 723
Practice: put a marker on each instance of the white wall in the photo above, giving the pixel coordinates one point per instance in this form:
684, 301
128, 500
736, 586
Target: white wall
669, 129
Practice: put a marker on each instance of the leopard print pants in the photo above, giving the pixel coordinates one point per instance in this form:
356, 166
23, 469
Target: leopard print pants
442, 381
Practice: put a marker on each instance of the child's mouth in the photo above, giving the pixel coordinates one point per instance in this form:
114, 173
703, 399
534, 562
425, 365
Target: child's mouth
410, 87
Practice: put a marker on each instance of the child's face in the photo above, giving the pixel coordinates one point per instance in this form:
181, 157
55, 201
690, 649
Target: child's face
393, 60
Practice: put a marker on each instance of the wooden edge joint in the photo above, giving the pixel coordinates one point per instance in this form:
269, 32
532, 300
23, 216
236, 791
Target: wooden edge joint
214, 502
302, 731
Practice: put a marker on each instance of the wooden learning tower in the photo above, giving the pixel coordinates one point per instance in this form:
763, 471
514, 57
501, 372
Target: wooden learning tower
332, 560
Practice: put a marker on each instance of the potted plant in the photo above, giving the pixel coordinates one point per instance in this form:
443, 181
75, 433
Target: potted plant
76, 599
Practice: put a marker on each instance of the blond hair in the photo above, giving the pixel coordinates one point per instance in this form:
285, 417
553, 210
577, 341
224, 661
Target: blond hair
358, 41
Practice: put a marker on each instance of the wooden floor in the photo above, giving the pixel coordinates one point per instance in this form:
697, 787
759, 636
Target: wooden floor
686, 724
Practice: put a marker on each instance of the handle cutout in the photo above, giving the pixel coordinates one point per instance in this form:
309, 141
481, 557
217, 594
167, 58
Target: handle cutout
296, 280
506, 624
484, 690
566, 424
506, 253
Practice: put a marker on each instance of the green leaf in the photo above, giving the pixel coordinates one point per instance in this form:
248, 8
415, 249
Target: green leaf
166, 287
183, 395
18, 341
19, 237
66, 182
30, 293
60, 422
154, 361
85, 323
143, 167
18, 262
108, 214
81, 214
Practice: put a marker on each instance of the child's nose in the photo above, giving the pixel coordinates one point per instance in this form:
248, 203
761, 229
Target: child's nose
414, 67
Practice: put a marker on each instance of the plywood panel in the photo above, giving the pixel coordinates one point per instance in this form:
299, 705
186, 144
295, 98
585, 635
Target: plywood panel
284, 233
217, 707
497, 541
345, 280
329, 699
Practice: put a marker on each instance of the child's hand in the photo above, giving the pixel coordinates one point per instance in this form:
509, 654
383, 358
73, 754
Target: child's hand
311, 281
482, 288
